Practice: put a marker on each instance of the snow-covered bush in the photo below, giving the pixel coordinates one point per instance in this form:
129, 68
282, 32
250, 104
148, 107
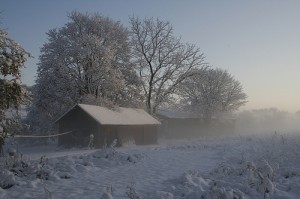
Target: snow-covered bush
48, 194
131, 193
42, 171
106, 195
245, 181
7, 179
15, 167
261, 178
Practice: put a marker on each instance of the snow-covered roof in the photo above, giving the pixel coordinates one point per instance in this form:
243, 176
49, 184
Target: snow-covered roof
176, 114
122, 116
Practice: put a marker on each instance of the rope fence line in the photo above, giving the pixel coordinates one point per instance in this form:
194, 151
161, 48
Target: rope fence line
41, 136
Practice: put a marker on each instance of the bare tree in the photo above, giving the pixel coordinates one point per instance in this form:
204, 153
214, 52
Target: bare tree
12, 59
212, 92
162, 60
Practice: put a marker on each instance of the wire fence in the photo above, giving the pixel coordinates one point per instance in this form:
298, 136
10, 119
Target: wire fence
41, 136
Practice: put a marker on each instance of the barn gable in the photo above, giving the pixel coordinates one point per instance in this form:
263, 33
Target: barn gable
123, 124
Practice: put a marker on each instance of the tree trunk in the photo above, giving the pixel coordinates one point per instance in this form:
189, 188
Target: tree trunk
149, 107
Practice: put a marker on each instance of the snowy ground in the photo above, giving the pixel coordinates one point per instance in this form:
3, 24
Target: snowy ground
232, 167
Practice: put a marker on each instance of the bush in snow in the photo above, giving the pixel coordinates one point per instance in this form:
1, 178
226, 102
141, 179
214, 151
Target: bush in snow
42, 171
245, 181
48, 194
7, 179
111, 150
133, 194
262, 177
195, 185
106, 195
14, 168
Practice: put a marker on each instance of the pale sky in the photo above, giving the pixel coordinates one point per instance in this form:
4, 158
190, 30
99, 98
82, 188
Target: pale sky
258, 41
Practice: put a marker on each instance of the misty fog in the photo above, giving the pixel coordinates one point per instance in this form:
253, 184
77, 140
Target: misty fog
271, 120
248, 122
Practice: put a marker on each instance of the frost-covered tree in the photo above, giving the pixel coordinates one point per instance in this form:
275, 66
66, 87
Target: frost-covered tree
163, 61
212, 92
88, 59
12, 59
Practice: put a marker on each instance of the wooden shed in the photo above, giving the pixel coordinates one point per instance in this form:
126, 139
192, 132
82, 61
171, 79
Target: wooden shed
177, 124
126, 125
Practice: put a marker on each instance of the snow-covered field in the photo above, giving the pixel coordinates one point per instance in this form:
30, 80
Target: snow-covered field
234, 167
